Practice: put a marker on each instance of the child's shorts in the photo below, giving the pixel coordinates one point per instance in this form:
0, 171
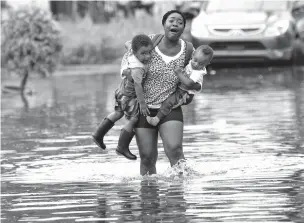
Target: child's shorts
128, 105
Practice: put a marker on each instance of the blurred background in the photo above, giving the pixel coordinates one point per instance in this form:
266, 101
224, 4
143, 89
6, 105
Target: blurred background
94, 32
252, 31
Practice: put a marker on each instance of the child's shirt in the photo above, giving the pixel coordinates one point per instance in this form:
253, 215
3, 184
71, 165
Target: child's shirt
130, 61
138, 73
133, 62
138, 69
196, 75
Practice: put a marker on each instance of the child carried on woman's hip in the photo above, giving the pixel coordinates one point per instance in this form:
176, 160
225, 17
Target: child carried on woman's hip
193, 73
129, 98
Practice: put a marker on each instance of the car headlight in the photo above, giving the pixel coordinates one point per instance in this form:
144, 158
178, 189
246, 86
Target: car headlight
198, 29
277, 28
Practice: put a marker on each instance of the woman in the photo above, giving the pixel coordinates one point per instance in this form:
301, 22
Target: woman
160, 82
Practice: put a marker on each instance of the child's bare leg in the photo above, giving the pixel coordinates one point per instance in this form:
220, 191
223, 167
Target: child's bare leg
115, 116
130, 125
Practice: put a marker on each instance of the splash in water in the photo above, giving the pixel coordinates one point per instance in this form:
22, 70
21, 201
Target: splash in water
183, 169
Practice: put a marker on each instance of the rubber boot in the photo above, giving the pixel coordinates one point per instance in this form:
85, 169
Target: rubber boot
124, 141
102, 129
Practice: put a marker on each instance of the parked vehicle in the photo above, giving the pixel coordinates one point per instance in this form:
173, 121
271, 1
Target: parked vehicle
254, 30
298, 14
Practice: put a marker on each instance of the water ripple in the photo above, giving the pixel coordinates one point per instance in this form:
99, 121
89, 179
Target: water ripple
243, 147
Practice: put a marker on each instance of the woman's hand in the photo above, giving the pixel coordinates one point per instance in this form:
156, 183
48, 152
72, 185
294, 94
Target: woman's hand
128, 45
144, 110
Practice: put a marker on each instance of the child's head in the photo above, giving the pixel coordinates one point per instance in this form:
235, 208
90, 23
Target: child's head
201, 57
142, 46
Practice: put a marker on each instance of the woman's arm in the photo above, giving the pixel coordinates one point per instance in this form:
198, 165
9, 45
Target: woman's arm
128, 45
139, 93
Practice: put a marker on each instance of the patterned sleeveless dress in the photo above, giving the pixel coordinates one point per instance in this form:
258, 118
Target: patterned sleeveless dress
160, 81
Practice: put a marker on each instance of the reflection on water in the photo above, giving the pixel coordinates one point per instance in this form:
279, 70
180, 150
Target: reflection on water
244, 141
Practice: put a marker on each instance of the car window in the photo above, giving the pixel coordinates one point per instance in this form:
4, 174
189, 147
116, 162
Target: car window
251, 5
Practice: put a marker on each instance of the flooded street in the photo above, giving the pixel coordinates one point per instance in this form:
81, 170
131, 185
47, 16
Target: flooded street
243, 140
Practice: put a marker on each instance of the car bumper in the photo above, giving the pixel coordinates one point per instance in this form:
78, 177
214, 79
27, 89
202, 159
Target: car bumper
253, 55
248, 49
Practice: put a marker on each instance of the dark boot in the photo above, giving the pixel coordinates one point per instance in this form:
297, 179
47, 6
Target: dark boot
102, 129
124, 141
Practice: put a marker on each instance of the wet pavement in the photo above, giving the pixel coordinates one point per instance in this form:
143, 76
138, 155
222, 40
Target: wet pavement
243, 139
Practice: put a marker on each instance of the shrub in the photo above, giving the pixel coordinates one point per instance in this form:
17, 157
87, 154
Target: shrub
89, 43
91, 53
31, 42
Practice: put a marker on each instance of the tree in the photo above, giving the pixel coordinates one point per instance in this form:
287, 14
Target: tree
31, 43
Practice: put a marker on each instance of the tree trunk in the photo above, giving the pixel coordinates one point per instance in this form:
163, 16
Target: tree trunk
24, 81
25, 101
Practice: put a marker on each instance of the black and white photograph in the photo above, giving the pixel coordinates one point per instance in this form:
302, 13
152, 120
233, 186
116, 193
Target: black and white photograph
152, 111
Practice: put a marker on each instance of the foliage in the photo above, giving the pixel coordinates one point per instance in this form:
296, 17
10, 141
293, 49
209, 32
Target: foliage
91, 53
87, 43
31, 41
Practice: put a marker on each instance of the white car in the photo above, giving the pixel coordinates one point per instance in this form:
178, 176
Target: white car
251, 30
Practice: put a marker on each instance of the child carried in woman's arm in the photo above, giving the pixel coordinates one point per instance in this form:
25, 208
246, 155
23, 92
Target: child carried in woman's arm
193, 73
129, 98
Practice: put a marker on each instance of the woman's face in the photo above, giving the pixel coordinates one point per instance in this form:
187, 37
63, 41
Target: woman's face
174, 26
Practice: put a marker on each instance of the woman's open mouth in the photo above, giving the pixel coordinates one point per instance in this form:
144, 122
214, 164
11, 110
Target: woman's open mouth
174, 31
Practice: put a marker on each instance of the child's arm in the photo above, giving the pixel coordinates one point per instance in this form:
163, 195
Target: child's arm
128, 45
183, 78
137, 74
193, 83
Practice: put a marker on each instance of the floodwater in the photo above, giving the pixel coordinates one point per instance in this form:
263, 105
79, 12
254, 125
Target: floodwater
243, 139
